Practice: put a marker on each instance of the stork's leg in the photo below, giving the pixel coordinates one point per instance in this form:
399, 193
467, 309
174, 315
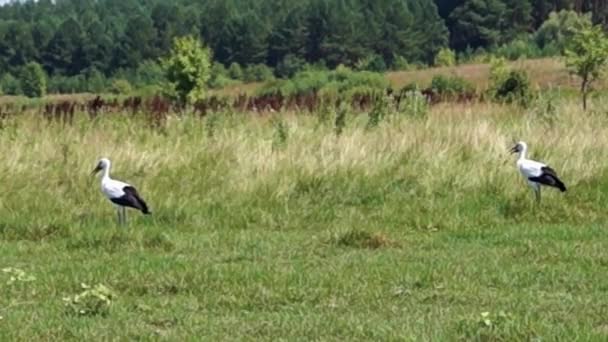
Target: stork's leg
124, 215
537, 192
118, 215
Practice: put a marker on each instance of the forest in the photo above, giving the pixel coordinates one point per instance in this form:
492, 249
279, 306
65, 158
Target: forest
94, 39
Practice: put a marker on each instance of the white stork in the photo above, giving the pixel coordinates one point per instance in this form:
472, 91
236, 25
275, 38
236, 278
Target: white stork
121, 194
536, 173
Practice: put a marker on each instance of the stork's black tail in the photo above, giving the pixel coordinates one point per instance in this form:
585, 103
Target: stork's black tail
135, 200
549, 177
560, 185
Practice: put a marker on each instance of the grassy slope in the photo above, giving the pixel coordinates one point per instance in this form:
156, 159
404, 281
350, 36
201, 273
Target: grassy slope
544, 73
253, 242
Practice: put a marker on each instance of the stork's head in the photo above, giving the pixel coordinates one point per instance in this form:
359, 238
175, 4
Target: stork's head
519, 147
103, 164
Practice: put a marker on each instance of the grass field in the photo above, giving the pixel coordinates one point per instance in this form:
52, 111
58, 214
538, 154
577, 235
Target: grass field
274, 228
544, 73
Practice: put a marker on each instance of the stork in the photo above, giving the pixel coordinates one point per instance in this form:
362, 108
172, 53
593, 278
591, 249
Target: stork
123, 195
536, 173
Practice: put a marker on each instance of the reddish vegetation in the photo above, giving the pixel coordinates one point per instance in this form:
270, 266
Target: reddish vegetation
157, 108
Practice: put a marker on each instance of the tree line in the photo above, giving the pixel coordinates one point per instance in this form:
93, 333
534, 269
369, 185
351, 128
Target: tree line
109, 37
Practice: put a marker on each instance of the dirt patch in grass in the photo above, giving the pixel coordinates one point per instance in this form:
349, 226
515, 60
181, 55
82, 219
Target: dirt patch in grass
362, 239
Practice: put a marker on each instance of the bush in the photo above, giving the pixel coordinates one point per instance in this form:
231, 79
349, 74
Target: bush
371, 63
445, 57
383, 106
258, 73
235, 71
67, 85
560, 27
290, 65
341, 81
479, 55
149, 73
220, 77
96, 81
515, 87
400, 63
148, 90
121, 87
412, 86
33, 80
448, 87
221, 81
519, 48
187, 69
413, 104
509, 85
218, 69
10, 85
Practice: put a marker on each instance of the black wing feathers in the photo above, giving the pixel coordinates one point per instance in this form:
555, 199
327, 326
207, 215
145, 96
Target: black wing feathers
549, 177
132, 199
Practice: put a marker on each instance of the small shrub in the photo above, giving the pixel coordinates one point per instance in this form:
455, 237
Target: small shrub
413, 104
400, 63
218, 69
67, 84
545, 108
519, 48
515, 87
149, 90
445, 57
235, 71
412, 86
96, 81
221, 81
340, 122
150, 73
92, 301
33, 80
371, 63
450, 87
290, 65
336, 82
381, 109
10, 85
258, 73
187, 69
508, 85
219, 77
325, 112
479, 56
211, 124
281, 133
121, 87
498, 69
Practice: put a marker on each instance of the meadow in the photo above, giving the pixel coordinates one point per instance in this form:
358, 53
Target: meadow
276, 227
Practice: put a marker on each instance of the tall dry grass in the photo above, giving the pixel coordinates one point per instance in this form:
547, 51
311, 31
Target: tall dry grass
457, 149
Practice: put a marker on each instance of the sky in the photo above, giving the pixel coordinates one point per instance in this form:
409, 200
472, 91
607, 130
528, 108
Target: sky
2, 2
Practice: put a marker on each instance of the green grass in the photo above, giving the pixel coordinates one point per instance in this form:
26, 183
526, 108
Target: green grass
416, 229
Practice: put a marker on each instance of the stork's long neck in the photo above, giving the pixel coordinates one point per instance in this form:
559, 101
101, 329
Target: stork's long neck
523, 153
105, 173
